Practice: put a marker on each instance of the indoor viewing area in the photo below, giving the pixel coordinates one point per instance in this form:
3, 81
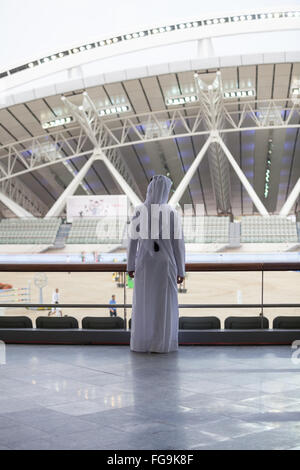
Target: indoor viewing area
150, 226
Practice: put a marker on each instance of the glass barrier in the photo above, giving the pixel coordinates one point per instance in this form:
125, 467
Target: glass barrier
221, 288
281, 288
87, 290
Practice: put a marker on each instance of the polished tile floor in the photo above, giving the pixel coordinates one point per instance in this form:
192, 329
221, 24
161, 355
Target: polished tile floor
106, 397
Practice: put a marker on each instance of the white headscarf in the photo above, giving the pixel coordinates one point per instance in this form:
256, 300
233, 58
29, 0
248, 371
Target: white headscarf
157, 193
158, 190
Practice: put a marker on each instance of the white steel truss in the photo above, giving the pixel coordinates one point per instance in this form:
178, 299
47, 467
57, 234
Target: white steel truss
291, 199
213, 117
16, 191
177, 195
45, 150
90, 121
15, 208
211, 99
42, 151
250, 190
60, 203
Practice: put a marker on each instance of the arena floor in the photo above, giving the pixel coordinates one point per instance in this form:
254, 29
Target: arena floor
202, 288
98, 397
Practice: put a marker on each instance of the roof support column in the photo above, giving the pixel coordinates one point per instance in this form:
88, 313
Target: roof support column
133, 198
14, 207
58, 206
250, 190
291, 200
189, 174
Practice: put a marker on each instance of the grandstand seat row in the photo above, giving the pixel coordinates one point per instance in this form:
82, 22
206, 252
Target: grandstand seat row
200, 229
185, 323
29, 231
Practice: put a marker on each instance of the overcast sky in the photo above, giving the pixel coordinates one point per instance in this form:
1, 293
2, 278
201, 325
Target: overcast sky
31, 28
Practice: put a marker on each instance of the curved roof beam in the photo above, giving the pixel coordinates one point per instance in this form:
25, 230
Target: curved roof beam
160, 36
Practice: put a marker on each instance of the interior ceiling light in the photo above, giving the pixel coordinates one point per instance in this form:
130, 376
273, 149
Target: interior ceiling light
117, 109
57, 122
158, 30
107, 111
229, 94
268, 168
183, 99
295, 91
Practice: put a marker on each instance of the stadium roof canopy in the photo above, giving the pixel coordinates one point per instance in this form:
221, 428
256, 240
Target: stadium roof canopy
137, 65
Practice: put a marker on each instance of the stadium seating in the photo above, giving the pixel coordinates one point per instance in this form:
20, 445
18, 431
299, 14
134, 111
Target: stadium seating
56, 322
97, 230
117, 323
15, 322
246, 323
29, 231
103, 323
286, 323
202, 229
111, 230
272, 229
199, 323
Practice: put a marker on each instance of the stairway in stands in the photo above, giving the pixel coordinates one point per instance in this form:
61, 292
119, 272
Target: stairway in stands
62, 235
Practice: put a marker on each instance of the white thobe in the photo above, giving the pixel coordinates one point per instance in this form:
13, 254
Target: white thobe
55, 299
154, 325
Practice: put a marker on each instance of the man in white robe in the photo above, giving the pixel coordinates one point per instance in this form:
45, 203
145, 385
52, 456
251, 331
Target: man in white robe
157, 263
55, 300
